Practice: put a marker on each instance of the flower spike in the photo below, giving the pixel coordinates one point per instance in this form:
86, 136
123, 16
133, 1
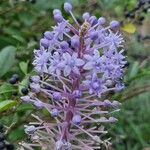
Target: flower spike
76, 69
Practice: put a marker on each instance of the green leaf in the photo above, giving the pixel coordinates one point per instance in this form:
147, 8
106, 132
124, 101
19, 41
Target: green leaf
24, 67
25, 107
19, 38
6, 88
134, 69
46, 4
7, 59
4, 105
26, 18
17, 134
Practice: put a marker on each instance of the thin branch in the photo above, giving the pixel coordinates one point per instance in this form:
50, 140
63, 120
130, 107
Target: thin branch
136, 91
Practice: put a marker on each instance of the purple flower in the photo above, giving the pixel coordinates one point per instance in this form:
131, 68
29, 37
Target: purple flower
72, 63
93, 61
56, 64
77, 67
61, 29
40, 61
95, 85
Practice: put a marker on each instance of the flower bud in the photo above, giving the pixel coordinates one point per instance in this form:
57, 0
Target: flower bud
30, 129
58, 18
57, 96
95, 85
75, 42
107, 103
38, 104
112, 119
64, 45
35, 79
35, 87
67, 7
101, 21
56, 11
119, 86
116, 104
93, 20
76, 119
77, 93
63, 145
44, 42
48, 35
86, 16
25, 98
54, 112
93, 35
114, 24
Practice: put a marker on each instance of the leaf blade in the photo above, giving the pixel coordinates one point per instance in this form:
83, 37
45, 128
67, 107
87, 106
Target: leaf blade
7, 59
6, 104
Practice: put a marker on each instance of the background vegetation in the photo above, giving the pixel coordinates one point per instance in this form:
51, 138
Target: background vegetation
21, 26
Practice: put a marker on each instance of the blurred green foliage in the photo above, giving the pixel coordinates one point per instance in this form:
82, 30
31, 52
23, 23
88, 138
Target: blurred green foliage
21, 26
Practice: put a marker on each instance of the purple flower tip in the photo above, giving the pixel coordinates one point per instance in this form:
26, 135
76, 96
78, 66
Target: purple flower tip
86, 16
101, 21
25, 98
48, 35
35, 87
38, 104
57, 96
93, 20
58, 18
56, 11
67, 7
35, 79
76, 119
63, 145
44, 42
119, 86
114, 24
107, 103
112, 119
30, 129
93, 35
116, 104
64, 45
54, 112
75, 42
77, 93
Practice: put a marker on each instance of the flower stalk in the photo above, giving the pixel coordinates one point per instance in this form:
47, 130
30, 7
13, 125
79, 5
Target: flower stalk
76, 67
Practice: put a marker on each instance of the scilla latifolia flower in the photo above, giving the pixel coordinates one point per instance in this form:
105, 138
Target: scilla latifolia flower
77, 67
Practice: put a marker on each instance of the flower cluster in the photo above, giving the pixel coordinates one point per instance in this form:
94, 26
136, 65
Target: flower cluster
77, 67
